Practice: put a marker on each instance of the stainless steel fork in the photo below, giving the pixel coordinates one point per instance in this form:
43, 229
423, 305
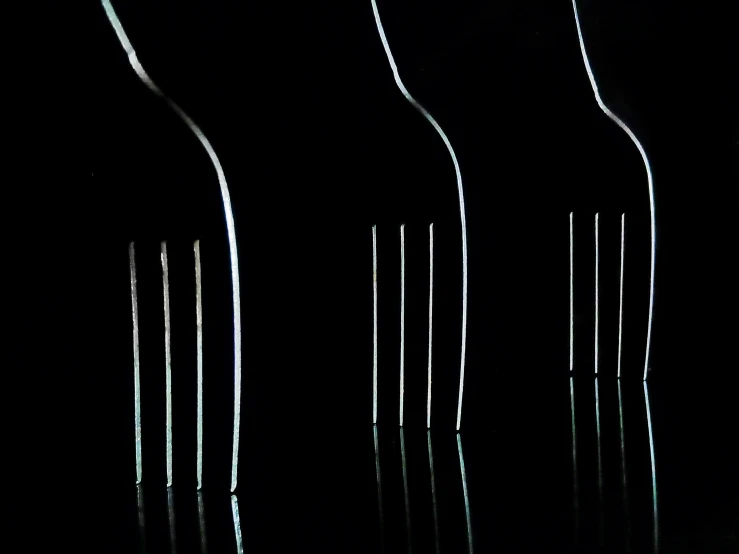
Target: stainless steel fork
233, 251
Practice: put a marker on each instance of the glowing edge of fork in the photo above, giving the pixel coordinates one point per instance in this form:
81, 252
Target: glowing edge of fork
167, 357
621, 294
201, 524
136, 362
650, 182
575, 479
402, 320
374, 325
228, 211
597, 294
237, 524
572, 297
431, 320
466, 494
460, 192
199, 316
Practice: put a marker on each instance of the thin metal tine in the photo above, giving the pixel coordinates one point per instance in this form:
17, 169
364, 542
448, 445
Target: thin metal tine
431, 319
621, 295
199, 318
228, 213
460, 192
374, 325
136, 362
167, 357
237, 524
650, 183
597, 295
402, 321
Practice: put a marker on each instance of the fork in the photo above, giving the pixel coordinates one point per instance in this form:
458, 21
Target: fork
462, 215
233, 252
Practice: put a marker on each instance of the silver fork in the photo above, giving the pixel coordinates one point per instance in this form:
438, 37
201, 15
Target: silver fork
462, 215
650, 184
231, 230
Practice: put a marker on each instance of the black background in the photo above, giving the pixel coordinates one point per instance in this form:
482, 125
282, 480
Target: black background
318, 145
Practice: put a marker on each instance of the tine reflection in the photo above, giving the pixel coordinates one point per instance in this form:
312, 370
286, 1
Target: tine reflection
650, 184
433, 492
379, 489
405, 491
237, 524
136, 374
655, 517
466, 495
167, 358
624, 485
402, 320
600, 464
575, 485
201, 524
142, 519
172, 526
374, 324
199, 316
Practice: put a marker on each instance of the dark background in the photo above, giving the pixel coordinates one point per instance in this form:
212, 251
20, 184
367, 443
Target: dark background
318, 145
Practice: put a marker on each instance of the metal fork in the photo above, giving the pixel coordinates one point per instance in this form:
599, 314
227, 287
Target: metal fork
233, 252
462, 215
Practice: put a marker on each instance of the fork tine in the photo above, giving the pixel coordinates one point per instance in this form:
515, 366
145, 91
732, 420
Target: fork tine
460, 192
621, 294
199, 316
431, 319
402, 320
167, 357
136, 362
572, 296
650, 182
228, 212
